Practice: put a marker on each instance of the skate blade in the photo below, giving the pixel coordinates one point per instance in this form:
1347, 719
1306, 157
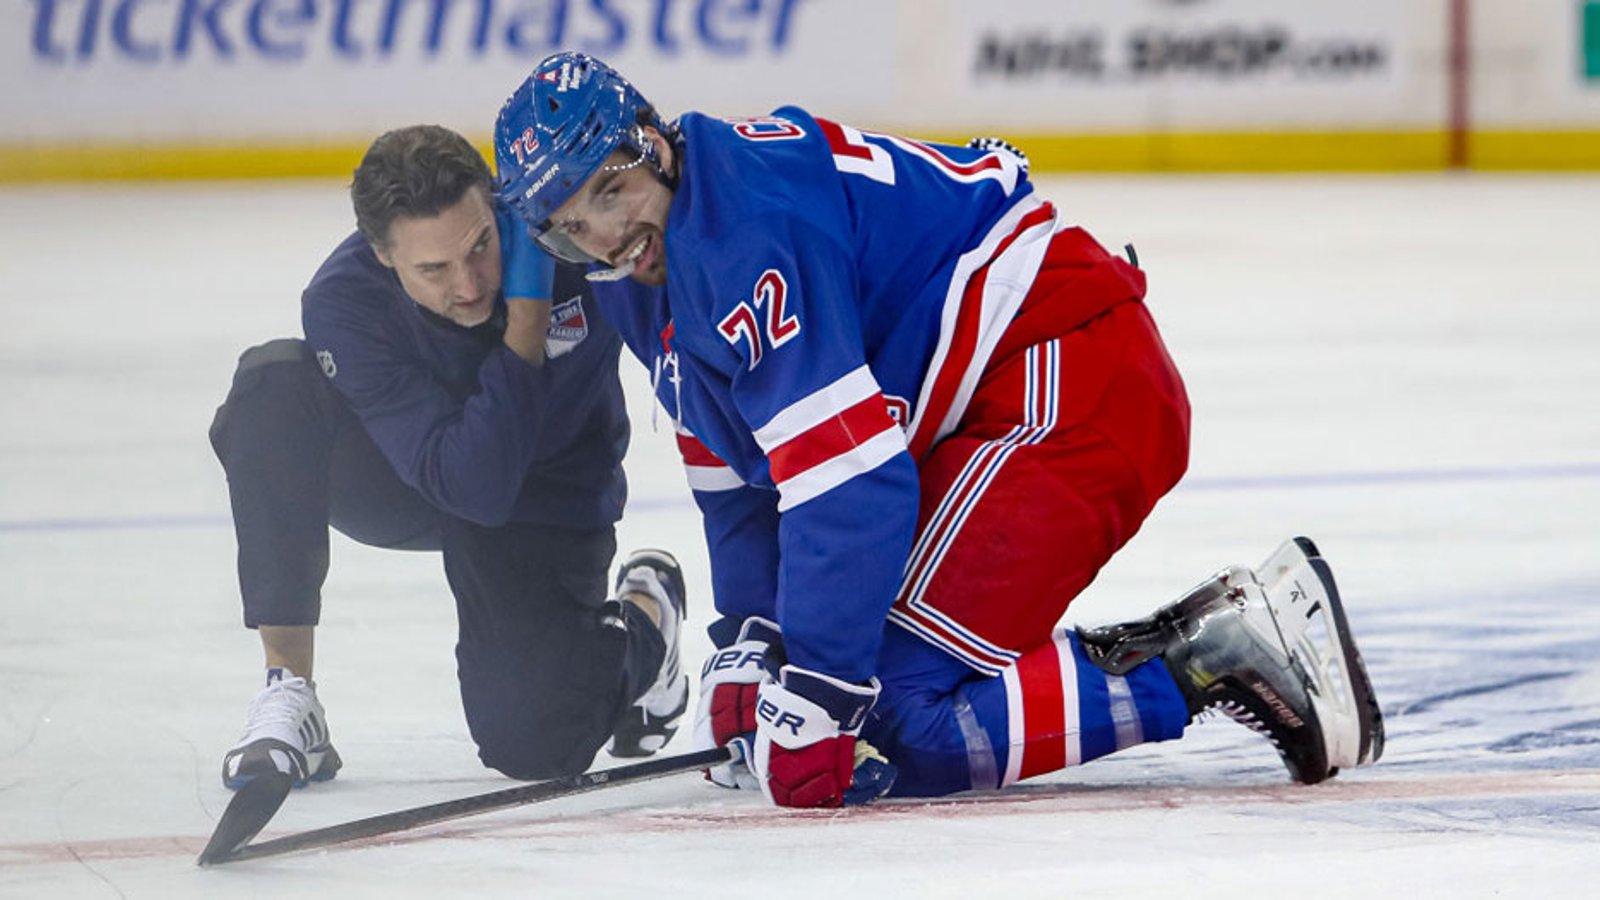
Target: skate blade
1313, 624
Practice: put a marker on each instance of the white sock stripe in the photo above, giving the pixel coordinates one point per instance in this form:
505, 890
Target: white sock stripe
1016, 729
1071, 716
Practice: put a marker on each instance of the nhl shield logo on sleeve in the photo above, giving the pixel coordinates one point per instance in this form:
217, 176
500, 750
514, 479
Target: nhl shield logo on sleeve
568, 328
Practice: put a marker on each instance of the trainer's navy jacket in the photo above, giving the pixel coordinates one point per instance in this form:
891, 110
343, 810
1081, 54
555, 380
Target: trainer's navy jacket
832, 297
481, 433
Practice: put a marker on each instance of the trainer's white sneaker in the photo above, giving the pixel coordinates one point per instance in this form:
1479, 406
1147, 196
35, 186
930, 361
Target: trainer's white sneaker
652, 720
285, 731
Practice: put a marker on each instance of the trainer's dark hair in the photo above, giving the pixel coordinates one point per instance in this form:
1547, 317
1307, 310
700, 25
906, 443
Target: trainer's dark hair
419, 170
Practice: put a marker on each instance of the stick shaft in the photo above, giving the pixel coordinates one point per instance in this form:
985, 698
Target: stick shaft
416, 817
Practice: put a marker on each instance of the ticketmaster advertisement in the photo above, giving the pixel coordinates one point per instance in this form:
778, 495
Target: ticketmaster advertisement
275, 69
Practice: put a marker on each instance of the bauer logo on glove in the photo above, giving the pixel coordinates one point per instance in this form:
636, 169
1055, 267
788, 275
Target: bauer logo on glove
738, 656
768, 712
729, 682
804, 754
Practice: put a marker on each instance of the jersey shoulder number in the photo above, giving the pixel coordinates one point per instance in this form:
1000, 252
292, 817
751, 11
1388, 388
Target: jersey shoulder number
764, 321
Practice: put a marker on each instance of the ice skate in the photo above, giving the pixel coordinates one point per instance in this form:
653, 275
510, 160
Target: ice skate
285, 731
652, 720
1273, 652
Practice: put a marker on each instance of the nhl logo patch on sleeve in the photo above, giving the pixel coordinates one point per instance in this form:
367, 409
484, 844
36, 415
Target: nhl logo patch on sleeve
568, 328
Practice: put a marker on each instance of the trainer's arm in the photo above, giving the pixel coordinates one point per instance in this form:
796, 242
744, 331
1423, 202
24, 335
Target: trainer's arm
527, 324
466, 455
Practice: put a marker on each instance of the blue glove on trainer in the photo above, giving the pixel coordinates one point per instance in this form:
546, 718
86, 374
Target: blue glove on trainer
525, 269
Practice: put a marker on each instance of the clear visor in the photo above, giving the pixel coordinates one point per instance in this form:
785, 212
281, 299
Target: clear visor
559, 244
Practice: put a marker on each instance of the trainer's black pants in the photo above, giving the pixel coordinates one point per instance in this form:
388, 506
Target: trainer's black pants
543, 679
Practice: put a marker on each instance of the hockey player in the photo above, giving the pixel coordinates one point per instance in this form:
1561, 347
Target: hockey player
920, 409
427, 409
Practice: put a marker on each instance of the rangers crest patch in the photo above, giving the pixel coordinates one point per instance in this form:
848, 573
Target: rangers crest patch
568, 327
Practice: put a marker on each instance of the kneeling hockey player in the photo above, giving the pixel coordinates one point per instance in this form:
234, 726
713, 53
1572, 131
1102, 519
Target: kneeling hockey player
920, 410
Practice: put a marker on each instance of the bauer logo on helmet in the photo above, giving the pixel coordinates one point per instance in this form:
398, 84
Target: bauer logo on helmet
541, 181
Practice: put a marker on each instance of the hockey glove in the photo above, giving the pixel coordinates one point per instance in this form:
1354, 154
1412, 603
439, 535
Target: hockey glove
805, 752
728, 684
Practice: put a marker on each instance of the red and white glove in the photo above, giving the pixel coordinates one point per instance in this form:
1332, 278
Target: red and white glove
729, 681
806, 753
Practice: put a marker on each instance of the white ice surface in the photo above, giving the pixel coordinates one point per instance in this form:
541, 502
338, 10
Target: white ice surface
1404, 368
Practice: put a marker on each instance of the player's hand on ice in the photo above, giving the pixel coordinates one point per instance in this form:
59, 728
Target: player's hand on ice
806, 752
729, 681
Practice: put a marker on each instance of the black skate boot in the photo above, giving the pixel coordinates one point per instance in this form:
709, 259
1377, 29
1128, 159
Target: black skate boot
1274, 653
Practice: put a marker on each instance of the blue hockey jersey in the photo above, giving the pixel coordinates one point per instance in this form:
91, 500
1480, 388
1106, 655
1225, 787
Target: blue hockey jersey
832, 296
476, 430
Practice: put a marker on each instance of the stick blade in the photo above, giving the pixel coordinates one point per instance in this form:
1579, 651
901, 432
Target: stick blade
251, 808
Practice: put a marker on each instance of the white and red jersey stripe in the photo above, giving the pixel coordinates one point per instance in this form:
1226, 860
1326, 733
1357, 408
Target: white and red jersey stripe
828, 437
706, 470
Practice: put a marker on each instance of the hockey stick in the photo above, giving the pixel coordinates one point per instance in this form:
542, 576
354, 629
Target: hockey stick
415, 817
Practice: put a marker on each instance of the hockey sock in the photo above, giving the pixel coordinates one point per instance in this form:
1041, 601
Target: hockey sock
1055, 708
948, 729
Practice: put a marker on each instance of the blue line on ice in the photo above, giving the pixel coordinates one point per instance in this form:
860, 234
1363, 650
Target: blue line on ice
1400, 477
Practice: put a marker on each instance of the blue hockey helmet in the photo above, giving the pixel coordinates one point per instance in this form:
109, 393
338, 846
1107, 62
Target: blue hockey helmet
557, 130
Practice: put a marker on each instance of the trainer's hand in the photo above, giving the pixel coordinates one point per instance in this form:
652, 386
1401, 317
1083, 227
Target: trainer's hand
527, 279
805, 752
727, 709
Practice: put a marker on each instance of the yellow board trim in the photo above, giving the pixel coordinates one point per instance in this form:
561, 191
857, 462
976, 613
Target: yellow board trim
1232, 151
141, 161
1336, 151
